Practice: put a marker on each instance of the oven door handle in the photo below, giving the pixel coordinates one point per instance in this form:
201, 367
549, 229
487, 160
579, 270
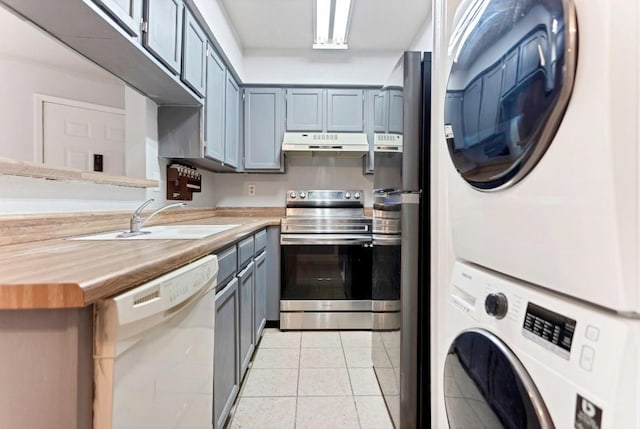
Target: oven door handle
325, 239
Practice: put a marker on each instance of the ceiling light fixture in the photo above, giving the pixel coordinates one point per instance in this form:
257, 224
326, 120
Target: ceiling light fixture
331, 24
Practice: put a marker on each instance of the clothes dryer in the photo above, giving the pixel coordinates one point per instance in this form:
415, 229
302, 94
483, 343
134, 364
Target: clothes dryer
521, 357
544, 141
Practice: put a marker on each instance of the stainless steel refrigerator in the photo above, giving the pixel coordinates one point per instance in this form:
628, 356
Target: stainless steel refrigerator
400, 340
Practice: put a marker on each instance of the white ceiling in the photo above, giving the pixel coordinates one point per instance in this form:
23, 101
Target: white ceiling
376, 25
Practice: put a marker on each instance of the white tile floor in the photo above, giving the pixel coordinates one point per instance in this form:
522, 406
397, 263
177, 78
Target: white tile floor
311, 379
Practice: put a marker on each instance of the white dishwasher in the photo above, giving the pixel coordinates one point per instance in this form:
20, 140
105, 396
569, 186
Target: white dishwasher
153, 352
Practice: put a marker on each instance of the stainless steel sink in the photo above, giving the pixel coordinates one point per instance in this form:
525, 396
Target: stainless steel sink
162, 232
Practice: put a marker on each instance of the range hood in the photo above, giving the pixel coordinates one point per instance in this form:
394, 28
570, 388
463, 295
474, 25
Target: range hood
387, 142
336, 144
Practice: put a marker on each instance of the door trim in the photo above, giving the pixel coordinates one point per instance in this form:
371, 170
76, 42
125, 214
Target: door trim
38, 125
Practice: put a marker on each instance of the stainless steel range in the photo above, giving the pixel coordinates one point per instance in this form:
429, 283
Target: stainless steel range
326, 261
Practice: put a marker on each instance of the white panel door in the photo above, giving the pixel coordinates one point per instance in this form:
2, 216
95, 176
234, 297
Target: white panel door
73, 135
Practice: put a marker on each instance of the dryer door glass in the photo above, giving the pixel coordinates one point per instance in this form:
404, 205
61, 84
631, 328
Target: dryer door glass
512, 72
485, 385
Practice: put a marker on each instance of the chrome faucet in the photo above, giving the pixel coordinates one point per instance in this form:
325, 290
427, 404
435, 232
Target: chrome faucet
136, 223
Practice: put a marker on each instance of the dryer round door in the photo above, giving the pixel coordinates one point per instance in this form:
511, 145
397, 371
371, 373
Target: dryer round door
485, 385
510, 82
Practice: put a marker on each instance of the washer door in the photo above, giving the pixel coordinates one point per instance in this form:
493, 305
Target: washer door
509, 85
486, 386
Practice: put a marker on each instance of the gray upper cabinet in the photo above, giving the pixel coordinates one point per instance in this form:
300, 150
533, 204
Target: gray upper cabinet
373, 105
380, 111
263, 128
395, 111
232, 122
345, 110
305, 109
163, 35
194, 55
126, 12
215, 107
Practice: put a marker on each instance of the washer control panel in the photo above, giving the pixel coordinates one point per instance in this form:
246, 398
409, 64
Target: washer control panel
549, 329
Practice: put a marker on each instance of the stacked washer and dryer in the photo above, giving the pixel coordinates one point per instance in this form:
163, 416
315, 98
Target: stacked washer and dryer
543, 307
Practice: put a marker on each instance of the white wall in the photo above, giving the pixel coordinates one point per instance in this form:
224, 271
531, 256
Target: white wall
423, 41
216, 17
318, 67
23, 78
230, 190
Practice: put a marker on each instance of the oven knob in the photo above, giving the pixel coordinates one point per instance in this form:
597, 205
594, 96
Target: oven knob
356, 195
496, 305
303, 195
347, 195
292, 195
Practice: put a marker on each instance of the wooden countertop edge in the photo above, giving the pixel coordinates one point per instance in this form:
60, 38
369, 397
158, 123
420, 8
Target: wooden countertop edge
15, 296
13, 167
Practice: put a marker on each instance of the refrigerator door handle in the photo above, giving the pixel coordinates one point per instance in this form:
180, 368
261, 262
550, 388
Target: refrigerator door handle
411, 197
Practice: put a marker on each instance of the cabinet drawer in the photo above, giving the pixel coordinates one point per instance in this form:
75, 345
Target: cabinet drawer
227, 264
261, 241
245, 252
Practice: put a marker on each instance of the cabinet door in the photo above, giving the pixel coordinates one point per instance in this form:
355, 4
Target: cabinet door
163, 37
214, 107
226, 357
305, 109
246, 287
380, 111
261, 294
263, 128
232, 122
372, 96
395, 111
126, 12
194, 55
345, 110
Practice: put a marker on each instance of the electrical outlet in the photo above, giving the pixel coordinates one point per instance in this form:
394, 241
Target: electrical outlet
251, 189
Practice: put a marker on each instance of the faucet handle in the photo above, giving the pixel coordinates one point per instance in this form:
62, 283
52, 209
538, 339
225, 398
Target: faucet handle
138, 211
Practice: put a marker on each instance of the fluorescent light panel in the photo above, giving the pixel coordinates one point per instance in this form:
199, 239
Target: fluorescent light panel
341, 10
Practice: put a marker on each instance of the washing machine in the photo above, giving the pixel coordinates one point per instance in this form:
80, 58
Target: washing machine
520, 357
541, 120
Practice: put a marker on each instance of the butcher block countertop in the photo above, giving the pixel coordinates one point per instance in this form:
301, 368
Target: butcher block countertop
60, 273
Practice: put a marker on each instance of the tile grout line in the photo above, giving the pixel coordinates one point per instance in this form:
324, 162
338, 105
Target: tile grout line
353, 395
295, 411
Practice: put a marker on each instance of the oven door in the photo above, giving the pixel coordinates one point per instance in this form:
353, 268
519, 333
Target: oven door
326, 267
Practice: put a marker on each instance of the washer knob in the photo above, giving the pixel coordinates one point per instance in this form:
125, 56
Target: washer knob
496, 305
292, 195
356, 195
347, 195
303, 195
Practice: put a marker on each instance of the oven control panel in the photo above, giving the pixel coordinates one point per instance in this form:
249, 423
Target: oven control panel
325, 196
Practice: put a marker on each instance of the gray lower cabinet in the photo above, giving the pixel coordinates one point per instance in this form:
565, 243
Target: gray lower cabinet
273, 273
260, 301
263, 129
127, 13
247, 334
305, 109
163, 32
194, 54
226, 366
345, 110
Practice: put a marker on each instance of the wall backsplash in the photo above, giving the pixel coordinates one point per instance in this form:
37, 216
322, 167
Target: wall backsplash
320, 172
